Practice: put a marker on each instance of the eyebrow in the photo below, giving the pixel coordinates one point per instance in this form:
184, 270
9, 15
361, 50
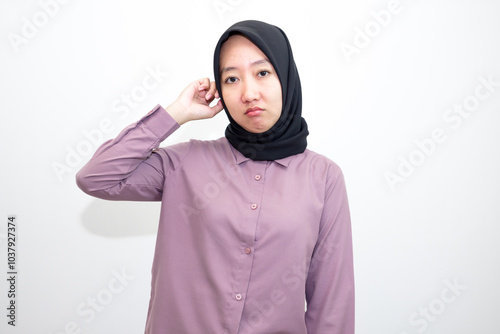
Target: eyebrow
257, 62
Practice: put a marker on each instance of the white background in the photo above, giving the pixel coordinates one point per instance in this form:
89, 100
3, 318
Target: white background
437, 225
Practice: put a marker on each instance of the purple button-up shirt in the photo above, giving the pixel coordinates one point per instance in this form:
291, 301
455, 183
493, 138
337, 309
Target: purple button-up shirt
242, 245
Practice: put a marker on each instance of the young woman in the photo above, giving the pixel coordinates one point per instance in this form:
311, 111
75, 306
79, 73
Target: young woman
253, 225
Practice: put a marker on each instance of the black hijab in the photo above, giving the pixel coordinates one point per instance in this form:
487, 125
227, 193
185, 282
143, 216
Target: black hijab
288, 136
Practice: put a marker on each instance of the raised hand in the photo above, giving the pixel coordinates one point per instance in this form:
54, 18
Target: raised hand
194, 102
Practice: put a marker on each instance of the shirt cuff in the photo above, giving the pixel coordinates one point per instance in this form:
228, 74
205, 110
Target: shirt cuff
159, 121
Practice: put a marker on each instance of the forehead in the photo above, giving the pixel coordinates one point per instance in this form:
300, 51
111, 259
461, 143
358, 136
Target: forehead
239, 47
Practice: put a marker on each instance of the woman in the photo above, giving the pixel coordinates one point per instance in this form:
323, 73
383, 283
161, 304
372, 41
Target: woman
252, 225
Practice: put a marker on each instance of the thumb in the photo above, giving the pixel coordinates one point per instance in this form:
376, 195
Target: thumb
217, 108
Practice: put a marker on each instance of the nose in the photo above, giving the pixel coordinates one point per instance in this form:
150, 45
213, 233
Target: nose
250, 91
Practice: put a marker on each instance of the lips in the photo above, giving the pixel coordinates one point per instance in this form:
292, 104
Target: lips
254, 111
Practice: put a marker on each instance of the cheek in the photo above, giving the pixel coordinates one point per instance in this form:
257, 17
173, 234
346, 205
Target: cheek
231, 102
230, 95
278, 100
275, 90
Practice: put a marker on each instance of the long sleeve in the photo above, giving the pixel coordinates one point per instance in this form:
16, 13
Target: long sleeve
127, 167
330, 281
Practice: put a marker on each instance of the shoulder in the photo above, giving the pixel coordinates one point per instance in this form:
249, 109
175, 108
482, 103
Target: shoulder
318, 164
218, 149
325, 174
196, 149
196, 144
216, 144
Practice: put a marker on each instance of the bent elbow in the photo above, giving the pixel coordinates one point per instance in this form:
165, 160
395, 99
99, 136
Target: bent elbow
82, 181
87, 182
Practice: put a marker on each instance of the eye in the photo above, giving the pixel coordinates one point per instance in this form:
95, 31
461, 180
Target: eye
230, 80
263, 73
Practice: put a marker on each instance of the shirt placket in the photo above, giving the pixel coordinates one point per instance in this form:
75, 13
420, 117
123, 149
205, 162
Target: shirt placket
247, 249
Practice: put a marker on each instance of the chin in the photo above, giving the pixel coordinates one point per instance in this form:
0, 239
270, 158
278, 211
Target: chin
256, 129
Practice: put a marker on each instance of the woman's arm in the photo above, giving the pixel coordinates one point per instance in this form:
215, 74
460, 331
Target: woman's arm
330, 281
127, 167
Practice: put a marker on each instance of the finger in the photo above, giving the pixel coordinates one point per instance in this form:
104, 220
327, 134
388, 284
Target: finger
212, 89
204, 84
217, 108
211, 92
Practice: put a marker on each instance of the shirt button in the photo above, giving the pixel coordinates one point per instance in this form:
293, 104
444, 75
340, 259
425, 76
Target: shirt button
238, 296
253, 206
248, 250
257, 177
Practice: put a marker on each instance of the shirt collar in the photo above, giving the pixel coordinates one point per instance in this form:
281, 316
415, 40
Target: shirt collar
240, 158
285, 161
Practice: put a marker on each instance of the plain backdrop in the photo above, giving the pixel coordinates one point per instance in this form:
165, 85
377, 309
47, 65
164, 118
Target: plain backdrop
403, 95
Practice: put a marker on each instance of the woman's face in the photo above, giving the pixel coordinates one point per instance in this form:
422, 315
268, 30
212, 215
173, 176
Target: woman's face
250, 85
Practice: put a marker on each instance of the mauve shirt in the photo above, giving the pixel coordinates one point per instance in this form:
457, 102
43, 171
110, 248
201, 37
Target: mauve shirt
241, 244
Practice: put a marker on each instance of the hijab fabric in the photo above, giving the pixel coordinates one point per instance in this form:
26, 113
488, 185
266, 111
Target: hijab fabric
288, 136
